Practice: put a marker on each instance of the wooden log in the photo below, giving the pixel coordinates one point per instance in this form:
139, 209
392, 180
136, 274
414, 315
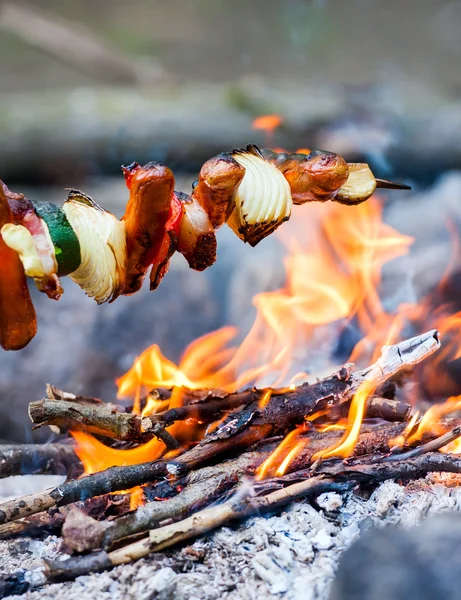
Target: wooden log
212, 407
31, 459
97, 418
85, 414
374, 471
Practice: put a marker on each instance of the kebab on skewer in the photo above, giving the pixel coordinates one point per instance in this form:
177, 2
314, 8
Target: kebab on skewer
251, 190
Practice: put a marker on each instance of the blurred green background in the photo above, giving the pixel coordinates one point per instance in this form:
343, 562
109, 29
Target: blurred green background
87, 85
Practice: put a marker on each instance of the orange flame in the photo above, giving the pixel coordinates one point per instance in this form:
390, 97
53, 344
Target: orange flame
279, 460
399, 441
430, 422
268, 123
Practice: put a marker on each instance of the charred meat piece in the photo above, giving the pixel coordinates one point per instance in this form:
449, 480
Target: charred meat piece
169, 243
197, 239
313, 177
151, 190
218, 180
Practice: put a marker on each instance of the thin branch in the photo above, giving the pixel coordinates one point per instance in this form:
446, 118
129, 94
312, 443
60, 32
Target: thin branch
432, 446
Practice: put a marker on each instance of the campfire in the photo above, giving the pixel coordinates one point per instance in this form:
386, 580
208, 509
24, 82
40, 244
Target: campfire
329, 391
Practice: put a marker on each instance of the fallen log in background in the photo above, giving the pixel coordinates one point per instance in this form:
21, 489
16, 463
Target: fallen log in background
31, 459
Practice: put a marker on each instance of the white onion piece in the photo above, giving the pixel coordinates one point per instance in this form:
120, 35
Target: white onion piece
262, 200
19, 239
102, 238
360, 185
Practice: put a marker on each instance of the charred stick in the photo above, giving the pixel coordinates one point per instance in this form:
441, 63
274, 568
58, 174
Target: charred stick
201, 522
31, 459
52, 520
388, 409
369, 470
14, 584
212, 407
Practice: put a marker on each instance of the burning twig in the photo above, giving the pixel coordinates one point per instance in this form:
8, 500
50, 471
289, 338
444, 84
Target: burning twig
432, 446
213, 407
388, 409
375, 471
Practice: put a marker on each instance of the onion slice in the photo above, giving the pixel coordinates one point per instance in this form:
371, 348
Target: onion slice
359, 186
262, 200
43, 251
19, 239
102, 238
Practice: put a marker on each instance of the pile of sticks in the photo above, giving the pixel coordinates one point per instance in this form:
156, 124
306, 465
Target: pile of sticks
212, 482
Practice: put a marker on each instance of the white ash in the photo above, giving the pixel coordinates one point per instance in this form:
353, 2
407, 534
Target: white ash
290, 555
